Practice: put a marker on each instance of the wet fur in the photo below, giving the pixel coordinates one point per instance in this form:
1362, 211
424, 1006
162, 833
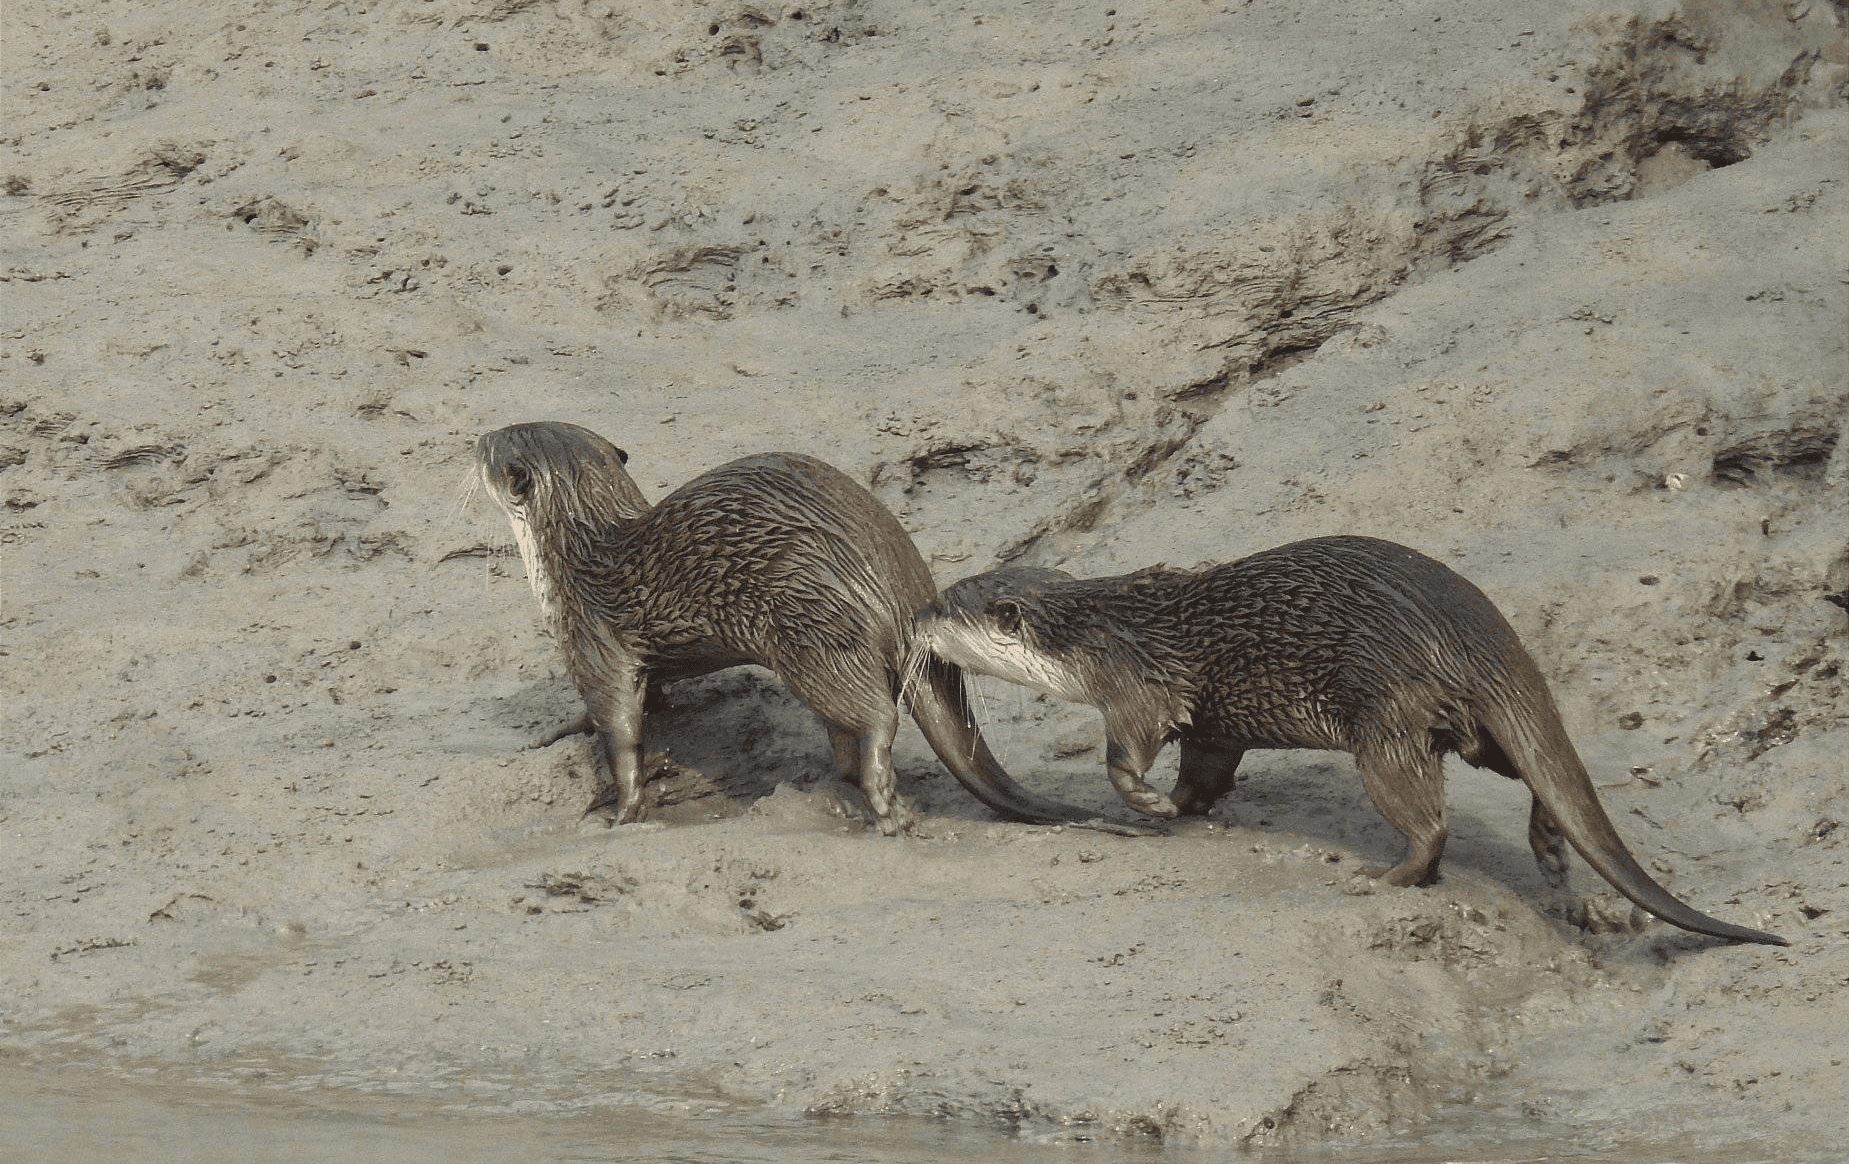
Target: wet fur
1344, 643
775, 559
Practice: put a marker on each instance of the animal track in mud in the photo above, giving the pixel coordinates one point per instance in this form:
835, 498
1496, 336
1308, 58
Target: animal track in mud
683, 40
1800, 688
279, 221
578, 889
1460, 942
1353, 1097
1085, 445
144, 455
161, 167
714, 280
324, 507
1801, 454
755, 39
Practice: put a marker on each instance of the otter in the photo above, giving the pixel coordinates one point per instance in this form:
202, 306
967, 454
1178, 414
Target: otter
775, 559
1345, 643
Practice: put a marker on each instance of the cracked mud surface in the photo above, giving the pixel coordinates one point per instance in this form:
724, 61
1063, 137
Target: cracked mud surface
1557, 299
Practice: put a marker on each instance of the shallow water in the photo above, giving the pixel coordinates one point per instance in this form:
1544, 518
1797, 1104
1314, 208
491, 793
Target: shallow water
68, 1116
77, 1116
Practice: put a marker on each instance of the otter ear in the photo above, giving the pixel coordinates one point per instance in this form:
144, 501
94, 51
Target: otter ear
621, 455
1007, 615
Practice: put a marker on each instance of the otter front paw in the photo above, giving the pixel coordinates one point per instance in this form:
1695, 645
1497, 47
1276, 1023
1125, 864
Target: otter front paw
1403, 876
1149, 802
577, 727
626, 810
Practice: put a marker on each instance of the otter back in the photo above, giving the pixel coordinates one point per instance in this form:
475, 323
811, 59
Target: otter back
1344, 643
776, 559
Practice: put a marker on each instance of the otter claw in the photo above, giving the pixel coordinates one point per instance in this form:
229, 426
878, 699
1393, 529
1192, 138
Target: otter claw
577, 727
1399, 877
1154, 804
611, 797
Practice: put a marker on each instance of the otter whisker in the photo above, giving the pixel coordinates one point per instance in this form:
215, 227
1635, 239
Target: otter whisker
980, 709
911, 675
464, 495
461, 517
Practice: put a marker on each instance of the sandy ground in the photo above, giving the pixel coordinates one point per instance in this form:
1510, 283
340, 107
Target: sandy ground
1560, 298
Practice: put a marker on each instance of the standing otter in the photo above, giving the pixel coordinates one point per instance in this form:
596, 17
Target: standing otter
775, 559
1348, 643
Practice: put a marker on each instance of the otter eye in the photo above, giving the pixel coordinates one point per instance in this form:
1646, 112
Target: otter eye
519, 482
1007, 614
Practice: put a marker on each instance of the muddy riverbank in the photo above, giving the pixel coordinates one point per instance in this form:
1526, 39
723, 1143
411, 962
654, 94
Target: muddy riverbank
1557, 299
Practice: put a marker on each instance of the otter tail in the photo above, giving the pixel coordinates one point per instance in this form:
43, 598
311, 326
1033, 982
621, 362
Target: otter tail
941, 708
1536, 744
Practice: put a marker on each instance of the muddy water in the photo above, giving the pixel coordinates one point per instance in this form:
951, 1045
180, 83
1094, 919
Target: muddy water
76, 1116
73, 1116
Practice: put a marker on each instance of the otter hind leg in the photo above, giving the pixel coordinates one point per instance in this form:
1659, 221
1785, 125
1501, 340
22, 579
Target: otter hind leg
1548, 843
1408, 787
615, 711
878, 782
847, 752
1208, 769
861, 726
1544, 836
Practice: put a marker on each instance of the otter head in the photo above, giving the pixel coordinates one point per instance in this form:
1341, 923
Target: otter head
997, 624
556, 482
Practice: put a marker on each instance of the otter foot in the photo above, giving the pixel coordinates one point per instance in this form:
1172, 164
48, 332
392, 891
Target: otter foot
1151, 803
1201, 808
611, 797
577, 727
1402, 876
900, 818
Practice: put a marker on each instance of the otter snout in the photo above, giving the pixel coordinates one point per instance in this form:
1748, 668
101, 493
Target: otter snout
980, 645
